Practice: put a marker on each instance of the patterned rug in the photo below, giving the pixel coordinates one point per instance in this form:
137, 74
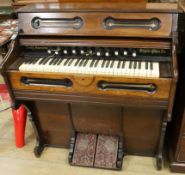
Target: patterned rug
106, 152
84, 150
4, 97
95, 151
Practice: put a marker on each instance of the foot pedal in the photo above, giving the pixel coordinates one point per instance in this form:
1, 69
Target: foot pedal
84, 150
92, 150
106, 152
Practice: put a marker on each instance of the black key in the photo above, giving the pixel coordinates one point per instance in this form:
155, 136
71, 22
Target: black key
71, 61
60, 60
146, 65
112, 64
135, 64
34, 62
45, 60
92, 63
85, 63
67, 61
139, 64
130, 65
55, 61
77, 62
103, 63
96, 63
51, 61
123, 64
40, 62
26, 61
30, 60
119, 64
151, 65
81, 62
108, 62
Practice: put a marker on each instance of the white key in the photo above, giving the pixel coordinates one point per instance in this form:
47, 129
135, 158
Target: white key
136, 71
155, 72
98, 70
79, 68
46, 67
22, 67
66, 67
87, 67
28, 66
91, 71
55, 67
126, 71
115, 68
119, 70
70, 70
143, 70
61, 67
40, 67
82, 68
50, 67
148, 70
106, 69
131, 73
35, 67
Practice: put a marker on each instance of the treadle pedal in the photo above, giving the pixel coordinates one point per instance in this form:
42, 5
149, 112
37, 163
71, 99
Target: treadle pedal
93, 150
106, 152
84, 149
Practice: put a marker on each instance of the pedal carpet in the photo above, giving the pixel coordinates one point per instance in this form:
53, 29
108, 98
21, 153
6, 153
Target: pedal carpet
95, 151
106, 152
84, 150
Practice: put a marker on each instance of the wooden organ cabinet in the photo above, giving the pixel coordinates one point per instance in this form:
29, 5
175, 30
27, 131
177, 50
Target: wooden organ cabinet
98, 80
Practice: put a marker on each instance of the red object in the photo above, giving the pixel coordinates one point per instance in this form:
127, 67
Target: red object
3, 88
19, 117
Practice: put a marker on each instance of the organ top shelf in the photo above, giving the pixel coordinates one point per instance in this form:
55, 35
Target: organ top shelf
102, 7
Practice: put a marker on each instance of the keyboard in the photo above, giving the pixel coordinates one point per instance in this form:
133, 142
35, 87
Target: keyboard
89, 66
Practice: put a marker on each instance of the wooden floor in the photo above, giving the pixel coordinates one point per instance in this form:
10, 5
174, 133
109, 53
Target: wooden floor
22, 161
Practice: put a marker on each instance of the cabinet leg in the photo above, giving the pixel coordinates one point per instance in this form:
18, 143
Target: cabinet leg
38, 149
159, 155
39, 141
